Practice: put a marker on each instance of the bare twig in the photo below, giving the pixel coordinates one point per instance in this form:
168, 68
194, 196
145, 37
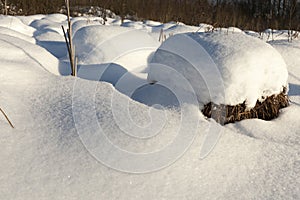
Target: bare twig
7, 118
161, 39
66, 39
68, 46
69, 42
75, 62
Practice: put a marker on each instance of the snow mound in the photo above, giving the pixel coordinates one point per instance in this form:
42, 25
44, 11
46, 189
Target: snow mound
84, 22
110, 73
49, 34
222, 68
16, 24
56, 17
107, 44
152, 23
46, 24
133, 24
226, 30
10, 32
180, 28
169, 29
15, 49
28, 19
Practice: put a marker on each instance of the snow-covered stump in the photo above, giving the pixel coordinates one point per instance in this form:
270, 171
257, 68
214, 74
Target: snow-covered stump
234, 76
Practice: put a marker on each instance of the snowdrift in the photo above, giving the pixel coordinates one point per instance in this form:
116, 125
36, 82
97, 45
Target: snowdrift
49, 34
16, 24
15, 49
224, 69
123, 46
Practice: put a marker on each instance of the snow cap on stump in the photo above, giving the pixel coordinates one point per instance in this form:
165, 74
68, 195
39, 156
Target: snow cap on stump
223, 69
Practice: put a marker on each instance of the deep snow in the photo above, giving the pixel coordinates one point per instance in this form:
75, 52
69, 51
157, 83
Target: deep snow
47, 156
222, 68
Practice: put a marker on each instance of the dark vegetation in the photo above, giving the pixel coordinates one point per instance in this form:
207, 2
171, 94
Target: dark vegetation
267, 110
246, 14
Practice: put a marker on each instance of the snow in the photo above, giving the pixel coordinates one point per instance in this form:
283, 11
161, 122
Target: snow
112, 46
53, 153
32, 52
291, 54
84, 22
10, 32
16, 25
222, 68
104, 44
28, 19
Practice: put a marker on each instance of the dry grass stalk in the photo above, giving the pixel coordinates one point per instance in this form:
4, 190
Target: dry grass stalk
161, 36
69, 42
5, 7
6, 117
266, 110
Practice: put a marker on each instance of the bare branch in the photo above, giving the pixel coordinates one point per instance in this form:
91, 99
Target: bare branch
69, 42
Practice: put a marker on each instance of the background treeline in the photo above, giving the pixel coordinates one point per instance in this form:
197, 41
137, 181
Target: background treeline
245, 14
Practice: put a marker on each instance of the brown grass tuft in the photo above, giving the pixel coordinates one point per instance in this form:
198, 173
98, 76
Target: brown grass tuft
266, 110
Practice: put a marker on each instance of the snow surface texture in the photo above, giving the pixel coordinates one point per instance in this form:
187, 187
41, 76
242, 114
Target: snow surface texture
222, 68
45, 157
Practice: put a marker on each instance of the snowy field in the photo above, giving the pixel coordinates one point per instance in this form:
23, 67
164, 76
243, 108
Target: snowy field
110, 133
